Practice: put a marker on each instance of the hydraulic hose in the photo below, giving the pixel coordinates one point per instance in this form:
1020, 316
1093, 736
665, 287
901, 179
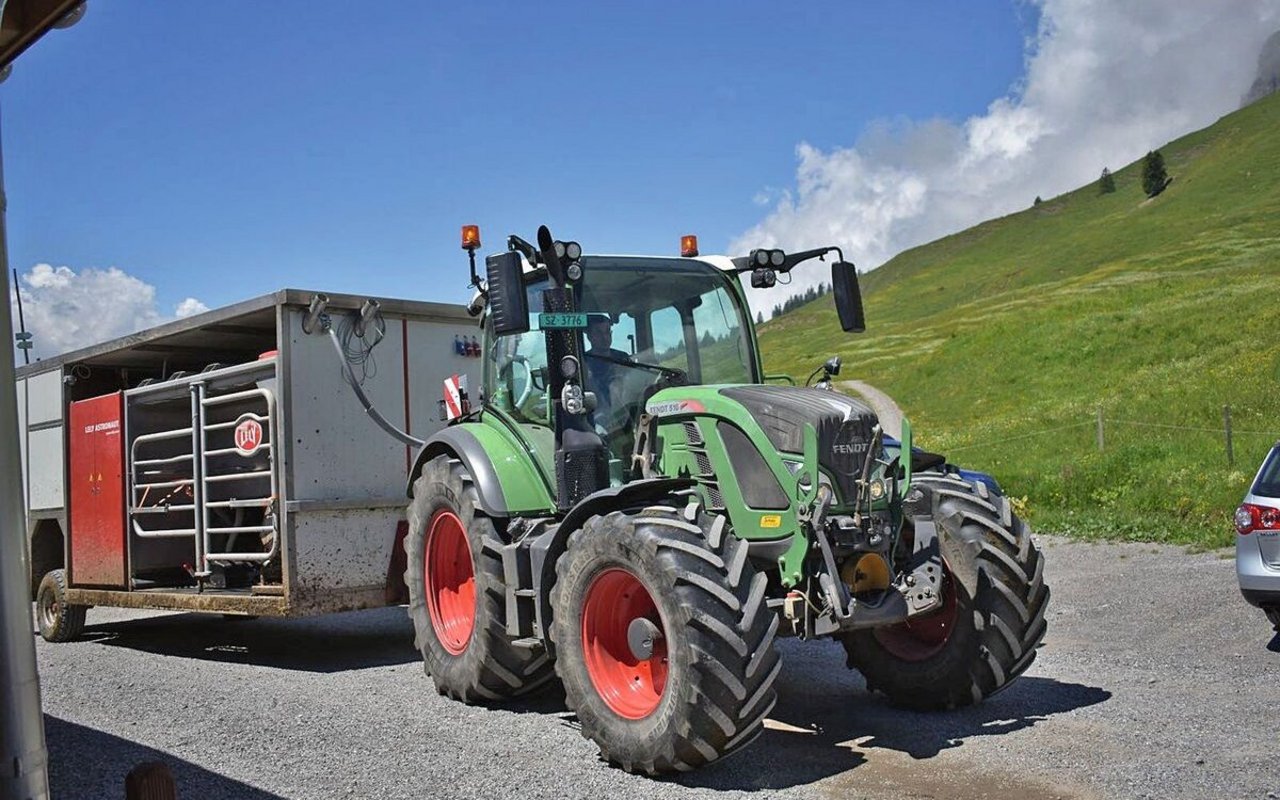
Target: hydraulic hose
350, 378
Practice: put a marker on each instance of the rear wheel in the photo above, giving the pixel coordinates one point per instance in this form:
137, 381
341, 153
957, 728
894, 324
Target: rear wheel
978, 642
663, 639
59, 621
457, 599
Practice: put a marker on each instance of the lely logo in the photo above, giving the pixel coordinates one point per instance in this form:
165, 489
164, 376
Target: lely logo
248, 435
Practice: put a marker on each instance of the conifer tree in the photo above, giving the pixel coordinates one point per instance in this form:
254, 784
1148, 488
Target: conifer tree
1154, 176
1107, 183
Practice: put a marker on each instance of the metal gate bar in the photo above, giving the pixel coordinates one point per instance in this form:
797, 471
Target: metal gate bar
207, 528
206, 472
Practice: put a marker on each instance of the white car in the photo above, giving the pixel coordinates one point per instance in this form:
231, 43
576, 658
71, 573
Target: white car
1258, 545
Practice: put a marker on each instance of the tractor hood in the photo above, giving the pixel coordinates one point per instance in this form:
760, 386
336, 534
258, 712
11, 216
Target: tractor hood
844, 425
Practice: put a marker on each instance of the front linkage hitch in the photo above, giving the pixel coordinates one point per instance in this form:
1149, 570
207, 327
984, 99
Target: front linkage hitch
916, 591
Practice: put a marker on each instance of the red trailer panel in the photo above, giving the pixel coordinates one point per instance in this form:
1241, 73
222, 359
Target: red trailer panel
97, 491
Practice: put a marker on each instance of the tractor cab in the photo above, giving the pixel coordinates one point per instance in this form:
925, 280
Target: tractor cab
650, 324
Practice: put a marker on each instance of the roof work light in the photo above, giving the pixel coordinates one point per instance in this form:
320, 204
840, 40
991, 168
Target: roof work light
689, 245
470, 237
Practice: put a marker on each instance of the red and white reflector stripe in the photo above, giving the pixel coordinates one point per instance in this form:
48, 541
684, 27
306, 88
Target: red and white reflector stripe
455, 396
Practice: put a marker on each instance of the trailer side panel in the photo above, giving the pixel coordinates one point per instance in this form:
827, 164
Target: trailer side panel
346, 493
96, 443
45, 442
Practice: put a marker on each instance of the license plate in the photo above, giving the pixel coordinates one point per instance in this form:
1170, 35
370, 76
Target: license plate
549, 319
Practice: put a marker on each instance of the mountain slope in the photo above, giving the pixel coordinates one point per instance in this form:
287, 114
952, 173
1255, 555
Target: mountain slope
1160, 312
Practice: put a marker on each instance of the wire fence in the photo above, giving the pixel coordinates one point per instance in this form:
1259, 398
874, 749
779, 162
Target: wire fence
1106, 428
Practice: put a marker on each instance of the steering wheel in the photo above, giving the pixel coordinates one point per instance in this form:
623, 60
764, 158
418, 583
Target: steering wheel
528, 380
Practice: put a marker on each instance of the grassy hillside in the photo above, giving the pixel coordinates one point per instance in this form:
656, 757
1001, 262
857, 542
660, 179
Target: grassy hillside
1002, 341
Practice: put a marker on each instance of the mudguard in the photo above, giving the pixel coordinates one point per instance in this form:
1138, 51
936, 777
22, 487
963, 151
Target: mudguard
518, 489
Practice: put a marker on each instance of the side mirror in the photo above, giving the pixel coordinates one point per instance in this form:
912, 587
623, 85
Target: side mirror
844, 284
832, 367
508, 302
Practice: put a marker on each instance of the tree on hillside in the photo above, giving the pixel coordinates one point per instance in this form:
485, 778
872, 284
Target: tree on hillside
1107, 183
1038, 201
1154, 177
759, 317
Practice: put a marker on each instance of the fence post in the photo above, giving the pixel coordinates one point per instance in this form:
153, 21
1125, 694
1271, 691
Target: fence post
1226, 427
1101, 439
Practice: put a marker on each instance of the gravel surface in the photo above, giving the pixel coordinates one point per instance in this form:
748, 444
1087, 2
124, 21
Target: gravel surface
1156, 680
886, 407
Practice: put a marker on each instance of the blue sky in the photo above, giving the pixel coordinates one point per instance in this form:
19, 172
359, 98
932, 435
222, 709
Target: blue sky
220, 155
156, 152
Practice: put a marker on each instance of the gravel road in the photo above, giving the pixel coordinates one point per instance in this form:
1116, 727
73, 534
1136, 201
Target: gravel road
1156, 680
885, 407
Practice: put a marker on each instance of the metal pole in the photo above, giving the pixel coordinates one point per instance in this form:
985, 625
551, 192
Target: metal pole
1226, 427
23, 758
1101, 439
22, 323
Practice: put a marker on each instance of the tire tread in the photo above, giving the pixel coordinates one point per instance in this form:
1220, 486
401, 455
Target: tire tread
733, 663
1008, 611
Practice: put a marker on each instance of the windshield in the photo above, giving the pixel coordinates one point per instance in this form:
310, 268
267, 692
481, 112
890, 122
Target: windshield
651, 323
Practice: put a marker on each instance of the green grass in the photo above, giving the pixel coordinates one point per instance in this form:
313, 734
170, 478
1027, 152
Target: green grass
1159, 311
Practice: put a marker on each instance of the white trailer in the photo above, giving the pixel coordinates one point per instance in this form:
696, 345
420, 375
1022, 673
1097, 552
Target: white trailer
222, 462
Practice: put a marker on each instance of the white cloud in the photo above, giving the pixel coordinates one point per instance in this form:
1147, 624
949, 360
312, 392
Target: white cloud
189, 307
67, 310
1103, 83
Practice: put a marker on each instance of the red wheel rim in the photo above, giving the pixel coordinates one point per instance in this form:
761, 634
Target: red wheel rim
450, 582
630, 686
923, 638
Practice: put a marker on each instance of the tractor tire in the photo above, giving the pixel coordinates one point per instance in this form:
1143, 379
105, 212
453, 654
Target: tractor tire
974, 645
457, 599
59, 621
663, 639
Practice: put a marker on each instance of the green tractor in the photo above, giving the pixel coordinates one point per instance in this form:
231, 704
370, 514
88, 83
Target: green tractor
632, 508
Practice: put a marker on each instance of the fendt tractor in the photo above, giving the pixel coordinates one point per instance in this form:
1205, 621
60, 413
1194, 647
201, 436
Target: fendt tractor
631, 506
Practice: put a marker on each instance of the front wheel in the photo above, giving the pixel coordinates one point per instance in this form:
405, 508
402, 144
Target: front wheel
979, 641
457, 597
663, 640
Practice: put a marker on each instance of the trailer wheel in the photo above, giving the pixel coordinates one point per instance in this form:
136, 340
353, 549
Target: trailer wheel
663, 639
457, 600
59, 620
973, 646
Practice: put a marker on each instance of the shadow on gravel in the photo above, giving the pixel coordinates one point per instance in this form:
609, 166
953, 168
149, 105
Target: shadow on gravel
85, 762
825, 723
548, 699
1274, 644
331, 643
